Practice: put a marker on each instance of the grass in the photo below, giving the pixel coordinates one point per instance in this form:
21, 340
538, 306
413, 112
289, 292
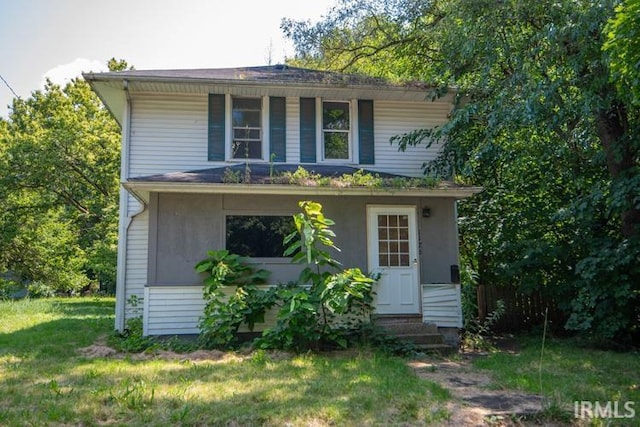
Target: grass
45, 381
568, 372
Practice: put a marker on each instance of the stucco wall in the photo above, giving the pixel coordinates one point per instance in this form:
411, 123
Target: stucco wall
182, 227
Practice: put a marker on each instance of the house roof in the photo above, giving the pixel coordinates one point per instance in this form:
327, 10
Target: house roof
272, 80
260, 173
269, 74
272, 179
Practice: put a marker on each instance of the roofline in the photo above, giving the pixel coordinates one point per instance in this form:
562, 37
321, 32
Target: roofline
97, 77
139, 188
111, 86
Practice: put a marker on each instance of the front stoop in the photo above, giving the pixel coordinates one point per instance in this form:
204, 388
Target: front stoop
412, 329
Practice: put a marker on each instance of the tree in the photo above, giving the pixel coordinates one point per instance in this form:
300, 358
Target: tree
623, 34
59, 180
539, 123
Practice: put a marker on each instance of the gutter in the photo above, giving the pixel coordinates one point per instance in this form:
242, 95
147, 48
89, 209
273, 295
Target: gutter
140, 189
272, 83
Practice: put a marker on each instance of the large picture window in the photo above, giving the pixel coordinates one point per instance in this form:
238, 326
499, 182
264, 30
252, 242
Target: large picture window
336, 130
257, 236
247, 128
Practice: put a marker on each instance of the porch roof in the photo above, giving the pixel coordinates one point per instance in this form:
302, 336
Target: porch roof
269, 179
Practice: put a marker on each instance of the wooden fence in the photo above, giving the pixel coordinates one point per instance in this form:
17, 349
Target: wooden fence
522, 310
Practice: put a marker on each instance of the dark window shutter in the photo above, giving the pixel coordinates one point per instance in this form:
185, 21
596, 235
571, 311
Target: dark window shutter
307, 130
216, 141
365, 132
277, 129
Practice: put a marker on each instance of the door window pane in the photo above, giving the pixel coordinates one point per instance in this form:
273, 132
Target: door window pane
393, 241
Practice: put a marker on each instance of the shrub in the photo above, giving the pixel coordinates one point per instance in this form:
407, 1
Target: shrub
321, 309
223, 315
8, 288
312, 311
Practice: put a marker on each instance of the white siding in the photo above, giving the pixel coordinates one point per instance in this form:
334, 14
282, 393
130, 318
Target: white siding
136, 268
168, 134
133, 205
176, 310
173, 310
441, 305
393, 118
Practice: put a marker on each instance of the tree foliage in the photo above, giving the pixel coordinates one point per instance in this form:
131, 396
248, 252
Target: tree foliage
59, 169
623, 46
542, 122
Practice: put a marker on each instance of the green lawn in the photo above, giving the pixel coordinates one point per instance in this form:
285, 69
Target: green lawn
45, 381
568, 372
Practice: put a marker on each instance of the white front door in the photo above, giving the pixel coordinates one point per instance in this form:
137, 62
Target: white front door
393, 252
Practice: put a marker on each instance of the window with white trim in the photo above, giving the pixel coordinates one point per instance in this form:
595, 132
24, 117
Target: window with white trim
247, 131
336, 130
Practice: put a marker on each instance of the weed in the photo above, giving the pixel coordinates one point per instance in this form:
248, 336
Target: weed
133, 394
231, 176
574, 373
180, 416
477, 332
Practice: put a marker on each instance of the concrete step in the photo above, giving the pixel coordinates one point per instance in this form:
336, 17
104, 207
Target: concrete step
405, 325
421, 338
436, 348
408, 328
412, 329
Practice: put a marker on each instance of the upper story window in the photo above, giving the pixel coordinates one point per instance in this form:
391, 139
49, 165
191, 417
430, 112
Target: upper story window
261, 129
247, 128
336, 130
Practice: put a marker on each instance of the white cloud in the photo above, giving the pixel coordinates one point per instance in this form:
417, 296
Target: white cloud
62, 74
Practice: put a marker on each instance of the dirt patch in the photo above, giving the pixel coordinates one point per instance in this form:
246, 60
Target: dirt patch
98, 349
474, 403
101, 349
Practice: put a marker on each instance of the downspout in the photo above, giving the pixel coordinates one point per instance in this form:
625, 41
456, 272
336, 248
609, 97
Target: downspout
458, 285
125, 219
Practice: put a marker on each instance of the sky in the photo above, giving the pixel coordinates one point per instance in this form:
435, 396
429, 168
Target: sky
60, 39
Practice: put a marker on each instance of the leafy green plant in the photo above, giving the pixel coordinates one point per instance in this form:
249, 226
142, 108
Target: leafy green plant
303, 177
373, 336
310, 310
39, 289
361, 178
296, 327
8, 287
476, 331
224, 314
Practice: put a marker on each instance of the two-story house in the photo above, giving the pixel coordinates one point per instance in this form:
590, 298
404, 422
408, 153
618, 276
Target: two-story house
201, 149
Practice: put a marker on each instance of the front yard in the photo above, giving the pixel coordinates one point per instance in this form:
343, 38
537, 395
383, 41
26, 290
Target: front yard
51, 375
45, 379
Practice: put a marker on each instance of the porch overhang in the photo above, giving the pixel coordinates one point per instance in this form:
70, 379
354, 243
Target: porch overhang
211, 181
141, 190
